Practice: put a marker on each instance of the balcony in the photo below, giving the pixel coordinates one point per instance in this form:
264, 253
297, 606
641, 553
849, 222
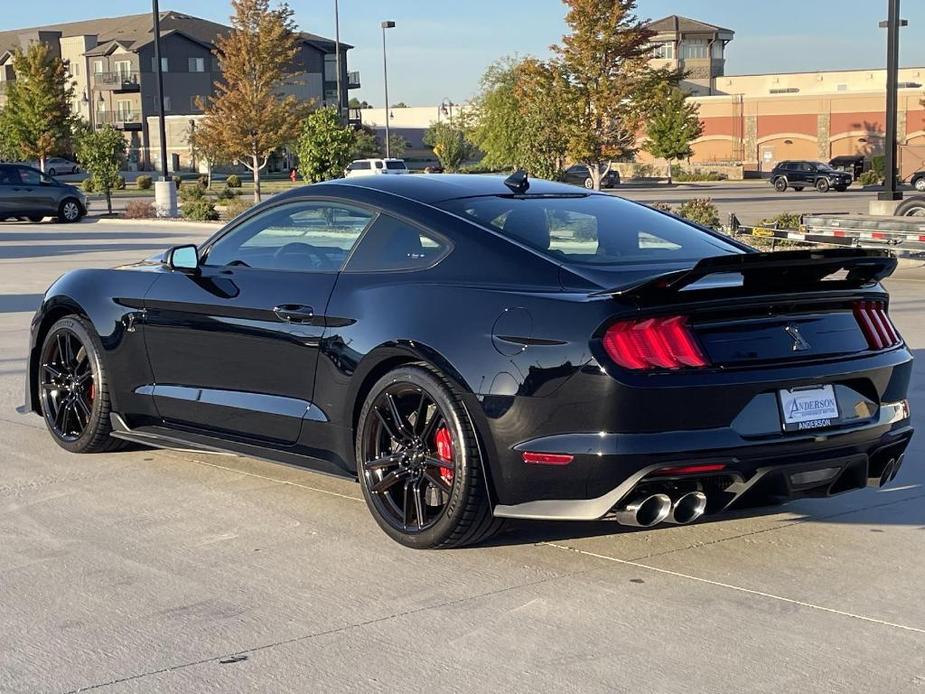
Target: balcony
353, 79
116, 81
121, 119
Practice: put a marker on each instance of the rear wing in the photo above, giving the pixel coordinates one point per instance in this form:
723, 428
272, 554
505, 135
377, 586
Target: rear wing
774, 272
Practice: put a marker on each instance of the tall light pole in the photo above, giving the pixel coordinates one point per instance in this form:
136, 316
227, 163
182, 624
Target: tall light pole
340, 106
165, 195
892, 26
385, 75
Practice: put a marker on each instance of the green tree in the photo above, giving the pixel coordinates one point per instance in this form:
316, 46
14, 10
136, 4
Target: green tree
366, 143
400, 104
448, 140
673, 125
325, 147
36, 121
397, 145
102, 154
248, 118
356, 103
610, 83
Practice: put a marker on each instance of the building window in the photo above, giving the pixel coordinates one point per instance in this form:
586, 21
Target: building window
330, 68
694, 49
124, 109
718, 50
98, 67
75, 69
197, 64
123, 68
663, 51
164, 64
166, 103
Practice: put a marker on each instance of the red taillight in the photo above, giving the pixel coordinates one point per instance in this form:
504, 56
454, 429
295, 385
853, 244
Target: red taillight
654, 343
875, 324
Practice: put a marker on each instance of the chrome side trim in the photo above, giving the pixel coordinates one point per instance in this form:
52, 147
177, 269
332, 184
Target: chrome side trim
253, 402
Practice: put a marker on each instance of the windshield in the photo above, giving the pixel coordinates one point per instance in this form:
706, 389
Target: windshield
824, 167
395, 165
591, 229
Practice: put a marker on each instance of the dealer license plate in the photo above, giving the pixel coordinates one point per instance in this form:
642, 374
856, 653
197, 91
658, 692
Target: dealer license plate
808, 408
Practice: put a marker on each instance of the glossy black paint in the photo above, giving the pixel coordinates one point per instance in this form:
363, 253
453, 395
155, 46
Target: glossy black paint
207, 358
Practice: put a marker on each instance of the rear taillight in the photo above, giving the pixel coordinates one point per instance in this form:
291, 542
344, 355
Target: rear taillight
654, 343
876, 324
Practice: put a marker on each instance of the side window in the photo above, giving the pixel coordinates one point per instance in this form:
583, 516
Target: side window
30, 177
378, 164
359, 166
9, 176
391, 244
299, 236
807, 168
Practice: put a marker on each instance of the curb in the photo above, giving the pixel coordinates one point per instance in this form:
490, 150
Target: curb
115, 221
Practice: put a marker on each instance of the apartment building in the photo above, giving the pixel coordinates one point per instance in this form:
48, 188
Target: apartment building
111, 64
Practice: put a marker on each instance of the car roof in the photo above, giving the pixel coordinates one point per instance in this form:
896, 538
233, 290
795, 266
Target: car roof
430, 188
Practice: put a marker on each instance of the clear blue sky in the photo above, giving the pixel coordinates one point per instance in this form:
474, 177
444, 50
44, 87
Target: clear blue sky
440, 48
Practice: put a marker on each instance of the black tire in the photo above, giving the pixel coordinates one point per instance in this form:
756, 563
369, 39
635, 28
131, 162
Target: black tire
76, 427
69, 211
51, 172
36, 218
451, 505
798, 189
589, 183
913, 207
919, 184
780, 184
822, 185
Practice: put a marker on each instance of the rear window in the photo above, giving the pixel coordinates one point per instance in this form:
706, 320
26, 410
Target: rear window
395, 165
591, 230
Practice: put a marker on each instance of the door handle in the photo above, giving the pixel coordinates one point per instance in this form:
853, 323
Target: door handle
294, 313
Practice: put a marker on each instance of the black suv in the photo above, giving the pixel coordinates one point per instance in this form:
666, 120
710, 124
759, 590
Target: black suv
802, 174
579, 175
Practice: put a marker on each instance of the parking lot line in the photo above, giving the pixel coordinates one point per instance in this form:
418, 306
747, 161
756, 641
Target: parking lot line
729, 586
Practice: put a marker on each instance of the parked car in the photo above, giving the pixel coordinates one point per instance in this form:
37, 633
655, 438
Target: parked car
55, 166
579, 175
467, 350
853, 164
27, 193
917, 181
368, 167
809, 174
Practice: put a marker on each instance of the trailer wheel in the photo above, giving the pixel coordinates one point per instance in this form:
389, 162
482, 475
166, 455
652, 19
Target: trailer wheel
913, 207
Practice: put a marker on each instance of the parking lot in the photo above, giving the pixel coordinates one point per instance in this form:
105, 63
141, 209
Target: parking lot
177, 571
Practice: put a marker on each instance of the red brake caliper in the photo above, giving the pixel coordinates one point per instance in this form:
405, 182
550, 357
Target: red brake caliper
445, 452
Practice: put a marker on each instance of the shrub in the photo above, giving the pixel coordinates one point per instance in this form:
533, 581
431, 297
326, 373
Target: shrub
199, 209
203, 181
663, 206
191, 193
869, 178
88, 185
700, 211
139, 209
643, 171
233, 181
144, 182
235, 207
698, 175
177, 182
227, 193
878, 165
786, 220
120, 183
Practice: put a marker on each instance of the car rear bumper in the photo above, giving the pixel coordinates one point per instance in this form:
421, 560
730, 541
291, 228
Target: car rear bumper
627, 463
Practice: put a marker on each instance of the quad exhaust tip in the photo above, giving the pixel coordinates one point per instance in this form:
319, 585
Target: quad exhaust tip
688, 508
645, 511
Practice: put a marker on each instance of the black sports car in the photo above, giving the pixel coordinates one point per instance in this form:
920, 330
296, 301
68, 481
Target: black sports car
474, 348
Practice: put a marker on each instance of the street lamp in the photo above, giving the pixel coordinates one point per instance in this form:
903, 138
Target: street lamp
892, 25
385, 74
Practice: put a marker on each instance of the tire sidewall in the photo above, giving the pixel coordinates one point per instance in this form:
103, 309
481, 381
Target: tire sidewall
93, 346
822, 185
62, 217
780, 185
920, 185
465, 451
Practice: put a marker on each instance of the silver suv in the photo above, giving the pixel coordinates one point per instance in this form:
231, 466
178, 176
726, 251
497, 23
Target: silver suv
27, 193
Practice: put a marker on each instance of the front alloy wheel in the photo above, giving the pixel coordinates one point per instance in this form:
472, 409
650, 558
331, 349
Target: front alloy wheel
780, 185
419, 464
822, 185
69, 211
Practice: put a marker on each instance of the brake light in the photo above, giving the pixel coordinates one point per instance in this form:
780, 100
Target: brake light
654, 343
876, 324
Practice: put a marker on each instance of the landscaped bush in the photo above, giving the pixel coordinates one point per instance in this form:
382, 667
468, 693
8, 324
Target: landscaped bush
233, 181
177, 182
199, 209
139, 209
643, 171
697, 175
700, 211
144, 182
120, 183
786, 220
88, 185
235, 207
191, 193
227, 193
869, 178
203, 181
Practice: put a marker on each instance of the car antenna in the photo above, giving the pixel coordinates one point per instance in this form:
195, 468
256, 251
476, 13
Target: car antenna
518, 182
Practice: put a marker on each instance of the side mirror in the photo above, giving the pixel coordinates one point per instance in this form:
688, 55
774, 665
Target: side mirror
183, 258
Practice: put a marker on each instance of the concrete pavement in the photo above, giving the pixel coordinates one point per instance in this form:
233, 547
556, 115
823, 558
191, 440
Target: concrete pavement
175, 572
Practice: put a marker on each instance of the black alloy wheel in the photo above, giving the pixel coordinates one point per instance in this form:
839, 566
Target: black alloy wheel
419, 464
73, 392
780, 185
822, 185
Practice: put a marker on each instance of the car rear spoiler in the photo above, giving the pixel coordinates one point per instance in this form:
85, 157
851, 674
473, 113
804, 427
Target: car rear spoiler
778, 271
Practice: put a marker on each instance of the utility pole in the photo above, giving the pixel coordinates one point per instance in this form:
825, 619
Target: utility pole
385, 75
892, 25
165, 195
